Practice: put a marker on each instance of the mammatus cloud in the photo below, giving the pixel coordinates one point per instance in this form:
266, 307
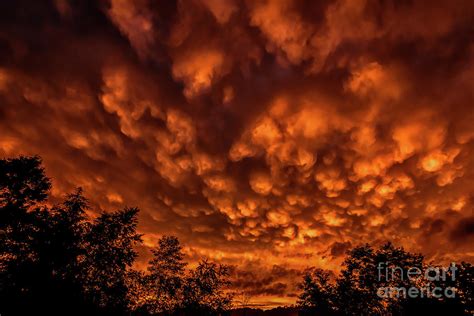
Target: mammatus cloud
270, 135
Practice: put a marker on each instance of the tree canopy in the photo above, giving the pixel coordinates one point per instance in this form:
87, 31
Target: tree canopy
375, 281
57, 260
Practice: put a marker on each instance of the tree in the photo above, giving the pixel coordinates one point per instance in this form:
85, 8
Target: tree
205, 289
166, 275
464, 282
362, 276
56, 260
318, 292
22, 185
110, 243
366, 271
140, 297
242, 300
58, 245
461, 280
168, 288
22, 182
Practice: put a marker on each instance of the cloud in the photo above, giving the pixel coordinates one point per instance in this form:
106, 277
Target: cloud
264, 134
135, 20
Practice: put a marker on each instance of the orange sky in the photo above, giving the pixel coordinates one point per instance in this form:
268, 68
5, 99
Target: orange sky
270, 135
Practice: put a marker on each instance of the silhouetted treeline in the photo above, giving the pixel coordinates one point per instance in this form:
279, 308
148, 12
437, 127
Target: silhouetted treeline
56, 260
378, 282
59, 261
278, 311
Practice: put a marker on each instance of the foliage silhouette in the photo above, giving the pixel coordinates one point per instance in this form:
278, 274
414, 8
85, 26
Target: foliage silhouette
57, 260
204, 289
22, 182
110, 243
170, 289
316, 293
356, 290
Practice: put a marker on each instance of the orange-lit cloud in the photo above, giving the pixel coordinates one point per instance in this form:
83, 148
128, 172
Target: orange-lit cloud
270, 135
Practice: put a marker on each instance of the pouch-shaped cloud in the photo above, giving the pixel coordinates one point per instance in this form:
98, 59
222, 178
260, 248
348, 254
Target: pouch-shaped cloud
261, 133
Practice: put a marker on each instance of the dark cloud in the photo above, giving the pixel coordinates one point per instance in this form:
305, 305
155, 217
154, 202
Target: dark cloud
264, 134
340, 248
463, 231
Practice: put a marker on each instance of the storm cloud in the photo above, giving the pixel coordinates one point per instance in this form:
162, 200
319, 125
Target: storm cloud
264, 134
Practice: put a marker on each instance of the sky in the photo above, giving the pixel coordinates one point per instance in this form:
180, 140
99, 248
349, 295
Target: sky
268, 135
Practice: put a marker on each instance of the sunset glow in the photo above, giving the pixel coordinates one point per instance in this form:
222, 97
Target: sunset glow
268, 135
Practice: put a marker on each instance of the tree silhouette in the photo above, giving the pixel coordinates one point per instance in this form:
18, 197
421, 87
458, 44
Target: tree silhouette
22, 182
465, 283
58, 244
22, 185
356, 291
204, 290
56, 260
169, 289
166, 276
360, 278
318, 292
110, 245
461, 304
